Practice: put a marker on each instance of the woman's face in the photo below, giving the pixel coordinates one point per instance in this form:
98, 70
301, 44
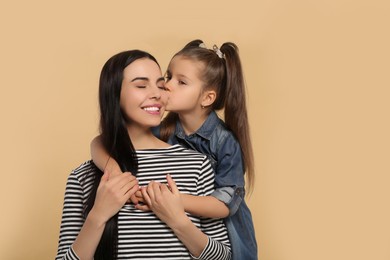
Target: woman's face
143, 95
184, 85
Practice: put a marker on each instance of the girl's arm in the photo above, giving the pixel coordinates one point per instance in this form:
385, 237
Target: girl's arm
101, 158
201, 206
204, 206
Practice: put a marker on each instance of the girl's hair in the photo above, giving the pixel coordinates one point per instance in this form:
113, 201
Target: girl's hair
115, 138
222, 73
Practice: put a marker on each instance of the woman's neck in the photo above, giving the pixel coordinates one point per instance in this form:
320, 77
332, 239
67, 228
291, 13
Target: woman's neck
192, 122
144, 139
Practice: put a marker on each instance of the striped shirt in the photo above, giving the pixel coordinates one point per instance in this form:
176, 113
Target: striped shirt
141, 235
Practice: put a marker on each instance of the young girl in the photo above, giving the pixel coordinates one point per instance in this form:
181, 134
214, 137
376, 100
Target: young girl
200, 81
97, 223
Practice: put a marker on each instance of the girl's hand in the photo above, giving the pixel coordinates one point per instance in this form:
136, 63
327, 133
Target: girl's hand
113, 192
165, 201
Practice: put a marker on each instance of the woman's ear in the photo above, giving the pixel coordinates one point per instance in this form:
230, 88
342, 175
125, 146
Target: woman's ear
208, 98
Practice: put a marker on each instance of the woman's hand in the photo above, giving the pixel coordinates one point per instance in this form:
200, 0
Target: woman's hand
165, 201
113, 192
139, 201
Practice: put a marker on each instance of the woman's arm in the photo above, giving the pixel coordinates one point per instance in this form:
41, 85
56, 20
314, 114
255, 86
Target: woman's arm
112, 194
101, 158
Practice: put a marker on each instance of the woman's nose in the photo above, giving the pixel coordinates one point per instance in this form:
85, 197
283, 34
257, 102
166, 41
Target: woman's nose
156, 92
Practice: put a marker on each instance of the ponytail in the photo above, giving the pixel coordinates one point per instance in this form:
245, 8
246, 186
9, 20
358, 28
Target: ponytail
236, 115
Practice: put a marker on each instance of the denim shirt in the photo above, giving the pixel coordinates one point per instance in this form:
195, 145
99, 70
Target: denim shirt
222, 148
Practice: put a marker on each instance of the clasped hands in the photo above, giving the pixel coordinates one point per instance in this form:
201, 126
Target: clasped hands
116, 188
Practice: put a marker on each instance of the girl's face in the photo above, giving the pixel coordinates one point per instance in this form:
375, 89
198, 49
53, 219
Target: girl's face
184, 85
143, 96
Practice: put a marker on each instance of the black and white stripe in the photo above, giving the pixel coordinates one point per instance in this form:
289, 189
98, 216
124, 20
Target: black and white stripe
141, 234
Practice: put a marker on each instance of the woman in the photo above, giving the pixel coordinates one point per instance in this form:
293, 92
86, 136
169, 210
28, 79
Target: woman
97, 223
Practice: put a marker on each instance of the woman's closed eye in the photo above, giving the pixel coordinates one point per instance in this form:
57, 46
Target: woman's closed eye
163, 87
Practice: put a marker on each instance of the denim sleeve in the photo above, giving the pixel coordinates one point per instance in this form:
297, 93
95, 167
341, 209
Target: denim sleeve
229, 178
230, 196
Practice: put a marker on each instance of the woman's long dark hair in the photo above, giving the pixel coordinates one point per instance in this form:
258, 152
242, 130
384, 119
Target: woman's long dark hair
115, 139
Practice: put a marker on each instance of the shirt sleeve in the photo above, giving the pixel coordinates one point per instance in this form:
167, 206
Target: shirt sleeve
229, 179
213, 250
218, 246
72, 219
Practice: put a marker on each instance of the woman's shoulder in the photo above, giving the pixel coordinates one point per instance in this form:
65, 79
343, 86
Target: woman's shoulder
86, 166
175, 156
84, 172
175, 149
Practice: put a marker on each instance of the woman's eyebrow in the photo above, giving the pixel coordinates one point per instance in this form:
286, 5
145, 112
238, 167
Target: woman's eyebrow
160, 79
147, 79
140, 78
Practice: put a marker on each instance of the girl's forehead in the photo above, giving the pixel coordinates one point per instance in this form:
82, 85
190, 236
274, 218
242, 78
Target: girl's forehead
185, 63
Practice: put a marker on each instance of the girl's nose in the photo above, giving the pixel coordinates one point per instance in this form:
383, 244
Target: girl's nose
168, 85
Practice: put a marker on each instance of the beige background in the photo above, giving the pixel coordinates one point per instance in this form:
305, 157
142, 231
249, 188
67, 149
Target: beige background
318, 87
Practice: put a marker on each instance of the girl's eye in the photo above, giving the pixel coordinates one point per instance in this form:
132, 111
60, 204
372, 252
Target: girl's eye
141, 86
182, 82
162, 88
167, 78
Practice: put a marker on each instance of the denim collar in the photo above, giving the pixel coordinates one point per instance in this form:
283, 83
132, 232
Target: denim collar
205, 131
